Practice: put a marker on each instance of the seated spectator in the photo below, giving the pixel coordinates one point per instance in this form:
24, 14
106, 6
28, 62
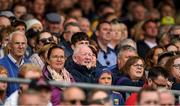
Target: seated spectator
99, 98
55, 70
148, 96
28, 71
80, 66
104, 76
173, 67
3, 85
166, 97
133, 72
35, 24
73, 96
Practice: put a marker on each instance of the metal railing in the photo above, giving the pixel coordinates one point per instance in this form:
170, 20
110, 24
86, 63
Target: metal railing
83, 85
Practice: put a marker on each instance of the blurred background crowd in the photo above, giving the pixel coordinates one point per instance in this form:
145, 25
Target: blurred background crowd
108, 42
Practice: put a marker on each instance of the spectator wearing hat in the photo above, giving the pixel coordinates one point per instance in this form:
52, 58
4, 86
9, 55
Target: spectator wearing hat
35, 24
53, 23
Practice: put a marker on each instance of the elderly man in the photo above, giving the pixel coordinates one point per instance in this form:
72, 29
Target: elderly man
80, 64
17, 46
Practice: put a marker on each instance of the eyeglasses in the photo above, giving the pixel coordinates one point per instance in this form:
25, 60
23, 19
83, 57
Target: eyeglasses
160, 85
47, 40
73, 102
138, 65
177, 66
100, 101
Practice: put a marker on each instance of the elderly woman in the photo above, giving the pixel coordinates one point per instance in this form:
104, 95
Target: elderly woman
54, 70
133, 72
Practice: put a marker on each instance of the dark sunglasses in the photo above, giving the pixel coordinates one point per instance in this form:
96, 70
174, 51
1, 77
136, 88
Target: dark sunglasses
73, 102
47, 40
100, 101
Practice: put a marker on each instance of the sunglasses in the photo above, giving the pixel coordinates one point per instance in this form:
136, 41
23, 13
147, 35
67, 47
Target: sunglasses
73, 102
47, 40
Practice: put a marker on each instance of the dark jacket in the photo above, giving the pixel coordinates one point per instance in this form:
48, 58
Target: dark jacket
79, 72
142, 49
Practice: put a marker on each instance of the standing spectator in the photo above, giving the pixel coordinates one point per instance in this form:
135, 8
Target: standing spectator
106, 55
17, 46
150, 33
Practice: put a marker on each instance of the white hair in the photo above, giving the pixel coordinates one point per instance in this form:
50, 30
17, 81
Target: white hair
16, 33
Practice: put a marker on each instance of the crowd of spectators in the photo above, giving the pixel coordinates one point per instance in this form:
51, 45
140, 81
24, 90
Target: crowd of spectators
109, 42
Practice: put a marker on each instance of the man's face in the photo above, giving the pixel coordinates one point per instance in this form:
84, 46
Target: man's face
139, 13
104, 32
149, 99
122, 59
105, 79
19, 11
54, 27
70, 31
151, 29
74, 96
84, 56
18, 45
39, 6
167, 99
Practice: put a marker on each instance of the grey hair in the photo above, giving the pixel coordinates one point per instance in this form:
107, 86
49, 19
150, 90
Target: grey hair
15, 33
126, 48
129, 42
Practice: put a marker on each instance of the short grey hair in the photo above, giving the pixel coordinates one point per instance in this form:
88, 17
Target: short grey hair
129, 42
126, 48
15, 33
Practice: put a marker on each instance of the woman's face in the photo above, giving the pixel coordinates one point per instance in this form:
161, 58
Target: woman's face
136, 70
156, 53
105, 79
57, 59
175, 70
3, 85
124, 31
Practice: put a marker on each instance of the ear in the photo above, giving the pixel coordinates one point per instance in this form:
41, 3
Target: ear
73, 46
97, 33
9, 46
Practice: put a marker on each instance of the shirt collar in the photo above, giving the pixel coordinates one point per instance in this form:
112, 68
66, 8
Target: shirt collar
14, 60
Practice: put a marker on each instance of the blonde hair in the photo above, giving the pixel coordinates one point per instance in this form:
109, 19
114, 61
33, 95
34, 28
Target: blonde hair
3, 70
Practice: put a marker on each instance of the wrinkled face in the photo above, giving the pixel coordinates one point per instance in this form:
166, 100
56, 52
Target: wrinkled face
156, 53
70, 31
175, 70
124, 57
19, 11
3, 86
105, 79
104, 33
151, 29
84, 56
149, 99
18, 45
57, 59
116, 32
136, 70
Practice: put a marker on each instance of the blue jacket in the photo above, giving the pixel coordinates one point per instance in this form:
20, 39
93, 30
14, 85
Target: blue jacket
13, 71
